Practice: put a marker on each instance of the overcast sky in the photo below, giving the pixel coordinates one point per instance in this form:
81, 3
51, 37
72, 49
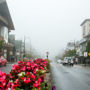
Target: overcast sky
50, 24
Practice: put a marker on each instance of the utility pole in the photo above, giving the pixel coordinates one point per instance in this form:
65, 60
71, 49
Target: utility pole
20, 48
24, 48
47, 53
74, 45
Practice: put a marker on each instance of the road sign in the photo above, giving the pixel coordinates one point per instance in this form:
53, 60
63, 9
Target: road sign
89, 54
85, 54
47, 53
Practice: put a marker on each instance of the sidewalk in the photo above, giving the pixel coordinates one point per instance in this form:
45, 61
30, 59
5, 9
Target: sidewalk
82, 66
11, 62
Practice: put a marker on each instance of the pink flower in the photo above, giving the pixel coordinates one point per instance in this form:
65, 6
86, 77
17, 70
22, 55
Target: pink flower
10, 85
28, 68
39, 80
15, 67
36, 85
23, 68
28, 64
27, 80
16, 83
10, 75
41, 68
2, 79
32, 76
22, 78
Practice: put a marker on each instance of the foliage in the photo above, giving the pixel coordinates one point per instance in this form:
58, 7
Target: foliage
88, 46
69, 53
1, 44
48, 65
47, 60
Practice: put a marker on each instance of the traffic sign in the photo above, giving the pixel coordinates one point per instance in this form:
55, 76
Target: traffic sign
85, 54
89, 54
47, 53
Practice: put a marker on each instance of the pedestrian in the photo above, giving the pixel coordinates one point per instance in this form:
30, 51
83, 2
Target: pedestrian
76, 61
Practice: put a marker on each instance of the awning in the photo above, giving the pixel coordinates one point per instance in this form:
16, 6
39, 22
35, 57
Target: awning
5, 14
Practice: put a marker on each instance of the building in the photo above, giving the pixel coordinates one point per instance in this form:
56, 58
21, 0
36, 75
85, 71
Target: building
85, 34
11, 40
6, 25
77, 48
85, 28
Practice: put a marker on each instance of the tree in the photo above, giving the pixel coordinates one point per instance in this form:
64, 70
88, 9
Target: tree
88, 46
70, 53
1, 45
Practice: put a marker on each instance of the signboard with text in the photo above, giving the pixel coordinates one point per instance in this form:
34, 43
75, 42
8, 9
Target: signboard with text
85, 54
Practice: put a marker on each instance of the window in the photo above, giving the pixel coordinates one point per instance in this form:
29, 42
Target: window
4, 33
84, 31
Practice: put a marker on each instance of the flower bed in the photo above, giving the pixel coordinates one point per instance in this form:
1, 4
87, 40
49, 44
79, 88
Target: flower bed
25, 75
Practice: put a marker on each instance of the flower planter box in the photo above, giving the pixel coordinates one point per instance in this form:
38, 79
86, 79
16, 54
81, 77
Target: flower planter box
26, 75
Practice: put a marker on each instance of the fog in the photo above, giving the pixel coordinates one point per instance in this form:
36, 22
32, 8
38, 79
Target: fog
49, 24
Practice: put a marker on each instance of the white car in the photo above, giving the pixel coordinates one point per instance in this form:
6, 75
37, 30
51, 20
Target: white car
68, 61
65, 61
59, 61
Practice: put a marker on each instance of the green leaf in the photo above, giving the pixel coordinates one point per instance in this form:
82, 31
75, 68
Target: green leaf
18, 88
34, 89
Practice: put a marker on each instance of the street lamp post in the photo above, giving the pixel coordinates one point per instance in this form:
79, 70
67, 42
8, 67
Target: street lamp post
25, 45
24, 48
47, 53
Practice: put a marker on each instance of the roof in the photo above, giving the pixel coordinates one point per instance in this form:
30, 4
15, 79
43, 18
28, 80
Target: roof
1, 1
84, 21
4, 12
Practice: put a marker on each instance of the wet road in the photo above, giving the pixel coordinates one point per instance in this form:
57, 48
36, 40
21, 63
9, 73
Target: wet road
6, 68
70, 78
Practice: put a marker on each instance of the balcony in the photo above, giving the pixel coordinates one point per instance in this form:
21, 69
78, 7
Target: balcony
83, 40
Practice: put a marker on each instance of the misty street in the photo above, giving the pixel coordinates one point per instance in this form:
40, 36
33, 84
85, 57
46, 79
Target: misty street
70, 78
44, 45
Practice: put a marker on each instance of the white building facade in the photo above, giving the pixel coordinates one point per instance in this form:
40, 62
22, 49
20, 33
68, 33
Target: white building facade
85, 34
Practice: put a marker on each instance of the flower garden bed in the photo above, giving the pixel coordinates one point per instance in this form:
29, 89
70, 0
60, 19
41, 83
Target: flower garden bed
27, 75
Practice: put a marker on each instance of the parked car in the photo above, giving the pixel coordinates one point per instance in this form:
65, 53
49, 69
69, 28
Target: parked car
59, 61
3, 61
68, 61
65, 61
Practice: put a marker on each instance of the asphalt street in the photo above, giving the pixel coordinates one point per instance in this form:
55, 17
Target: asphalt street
6, 68
70, 78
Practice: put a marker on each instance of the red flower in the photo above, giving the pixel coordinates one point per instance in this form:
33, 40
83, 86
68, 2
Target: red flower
23, 68
27, 80
2, 79
10, 85
32, 76
22, 78
15, 67
36, 85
